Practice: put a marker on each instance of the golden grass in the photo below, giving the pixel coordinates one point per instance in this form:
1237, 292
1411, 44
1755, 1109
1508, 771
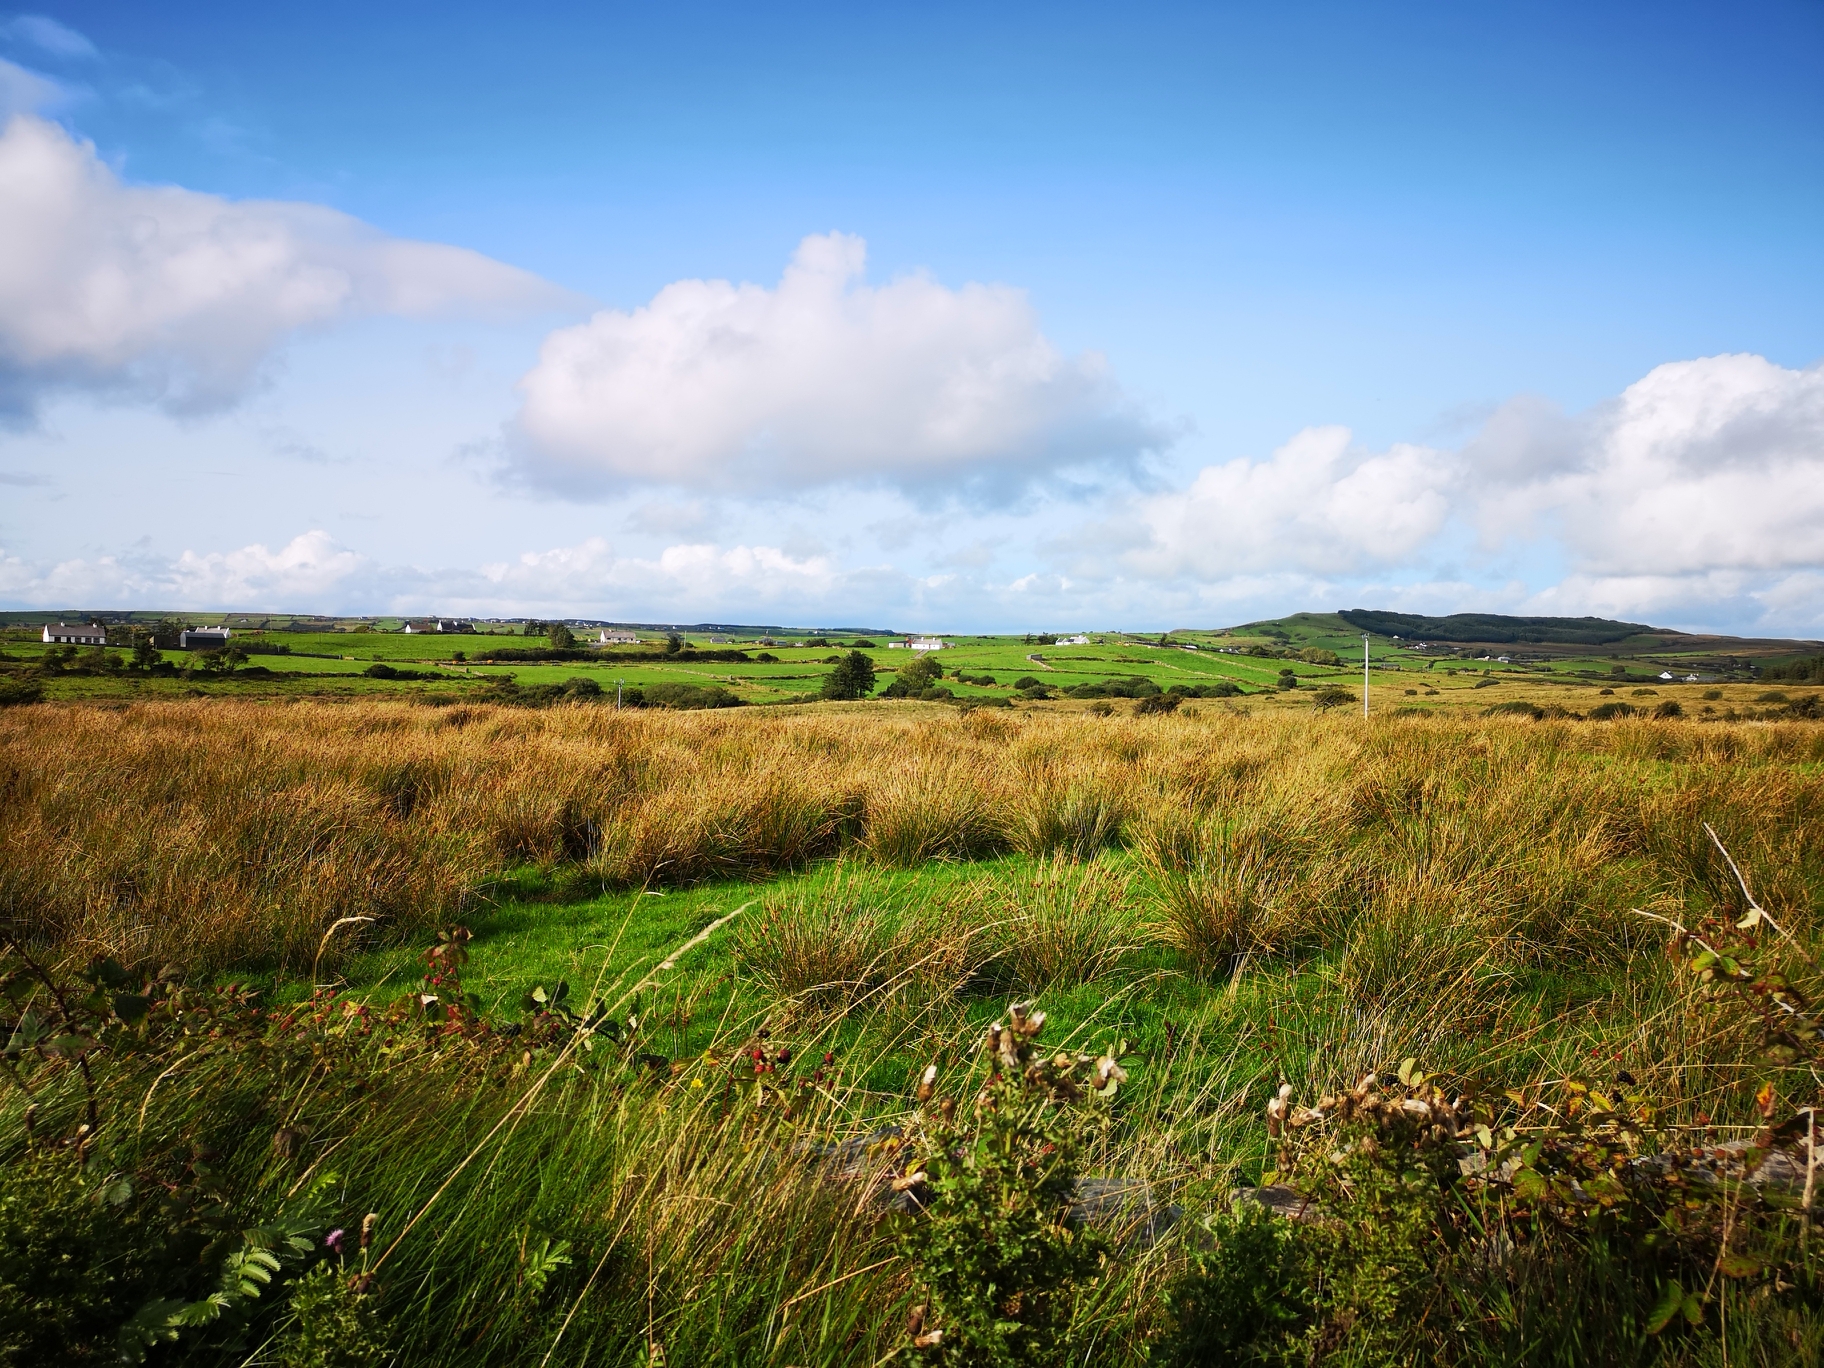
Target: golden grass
214, 832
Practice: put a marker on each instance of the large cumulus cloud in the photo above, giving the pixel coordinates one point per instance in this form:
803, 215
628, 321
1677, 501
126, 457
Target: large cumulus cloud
178, 297
820, 378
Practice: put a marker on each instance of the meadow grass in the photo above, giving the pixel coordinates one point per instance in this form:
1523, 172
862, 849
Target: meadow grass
1245, 900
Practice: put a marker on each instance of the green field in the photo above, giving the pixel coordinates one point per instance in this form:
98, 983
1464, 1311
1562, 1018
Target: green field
1255, 658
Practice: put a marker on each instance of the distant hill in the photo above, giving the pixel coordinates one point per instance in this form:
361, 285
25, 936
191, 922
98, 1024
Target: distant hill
1488, 628
1534, 638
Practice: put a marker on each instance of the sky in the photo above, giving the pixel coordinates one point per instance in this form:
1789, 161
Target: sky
936, 317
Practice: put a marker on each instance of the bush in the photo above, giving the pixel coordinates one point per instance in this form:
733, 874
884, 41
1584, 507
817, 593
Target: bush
914, 678
335, 1324
1157, 704
681, 696
1134, 686
1669, 708
1025, 682
1515, 707
1604, 712
70, 1265
1317, 655
14, 690
560, 637
1333, 696
992, 1247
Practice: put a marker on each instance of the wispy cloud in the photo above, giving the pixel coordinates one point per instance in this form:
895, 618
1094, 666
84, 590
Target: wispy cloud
49, 36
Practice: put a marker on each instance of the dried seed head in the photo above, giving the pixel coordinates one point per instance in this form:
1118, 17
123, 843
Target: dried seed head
927, 1084
368, 1222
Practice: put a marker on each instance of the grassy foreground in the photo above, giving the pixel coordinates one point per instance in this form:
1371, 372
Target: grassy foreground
643, 1166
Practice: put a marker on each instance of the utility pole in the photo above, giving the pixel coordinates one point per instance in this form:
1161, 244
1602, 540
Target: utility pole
1364, 674
617, 695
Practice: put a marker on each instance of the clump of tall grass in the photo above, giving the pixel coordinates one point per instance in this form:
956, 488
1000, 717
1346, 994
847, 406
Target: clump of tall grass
1066, 923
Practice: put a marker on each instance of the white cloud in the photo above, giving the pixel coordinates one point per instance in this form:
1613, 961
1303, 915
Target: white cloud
688, 576
171, 295
48, 35
310, 568
1319, 505
823, 378
24, 91
1695, 497
1701, 466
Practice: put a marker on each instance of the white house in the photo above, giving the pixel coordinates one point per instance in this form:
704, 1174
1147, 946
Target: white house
1078, 640
919, 644
203, 639
607, 638
64, 634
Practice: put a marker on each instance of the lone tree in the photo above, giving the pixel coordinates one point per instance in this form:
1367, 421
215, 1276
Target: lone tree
560, 637
853, 677
673, 643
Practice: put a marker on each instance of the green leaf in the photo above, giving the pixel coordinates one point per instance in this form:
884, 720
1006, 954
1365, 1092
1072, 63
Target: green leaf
1738, 1265
1671, 1302
130, 1007
1529, 1185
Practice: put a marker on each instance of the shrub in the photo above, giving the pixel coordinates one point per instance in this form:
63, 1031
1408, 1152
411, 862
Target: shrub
560, 637
1711, 695
682, 696
992, 1246
914, 678
14, 690
1158, 704
1515, 707
1669, 708
1333, 696
1604, 712
1025, 682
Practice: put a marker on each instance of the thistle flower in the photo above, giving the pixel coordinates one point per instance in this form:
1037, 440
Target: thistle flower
333, 1240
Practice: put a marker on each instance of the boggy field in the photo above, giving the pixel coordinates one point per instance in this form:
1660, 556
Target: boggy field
597, 1037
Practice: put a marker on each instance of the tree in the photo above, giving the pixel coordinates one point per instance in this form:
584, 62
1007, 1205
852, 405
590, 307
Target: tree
145, 652
853, 677
673, 643
912, 680
560, 637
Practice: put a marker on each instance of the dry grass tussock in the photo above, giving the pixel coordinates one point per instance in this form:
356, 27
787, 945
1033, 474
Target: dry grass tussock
212, 832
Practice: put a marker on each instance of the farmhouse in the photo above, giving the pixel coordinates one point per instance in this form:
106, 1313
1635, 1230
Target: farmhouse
607, 638
65, 635
203, 639
919, 644
454, 625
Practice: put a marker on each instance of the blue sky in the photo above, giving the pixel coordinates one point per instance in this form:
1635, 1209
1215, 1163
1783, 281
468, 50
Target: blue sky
1165, 315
